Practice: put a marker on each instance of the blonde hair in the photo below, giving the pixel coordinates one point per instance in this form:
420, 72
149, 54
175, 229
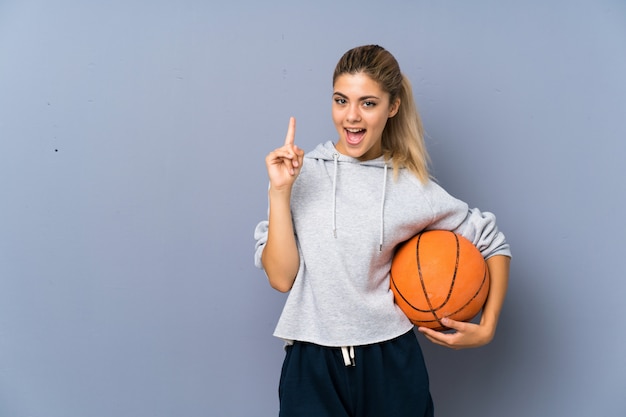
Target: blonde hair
403, 137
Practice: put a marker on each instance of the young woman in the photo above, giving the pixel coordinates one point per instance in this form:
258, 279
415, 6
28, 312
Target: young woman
336, 216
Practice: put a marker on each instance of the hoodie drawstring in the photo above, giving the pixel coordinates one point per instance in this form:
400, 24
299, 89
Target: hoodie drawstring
382, 210
382, 202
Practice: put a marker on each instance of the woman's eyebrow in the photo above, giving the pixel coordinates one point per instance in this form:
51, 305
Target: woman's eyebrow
337, 93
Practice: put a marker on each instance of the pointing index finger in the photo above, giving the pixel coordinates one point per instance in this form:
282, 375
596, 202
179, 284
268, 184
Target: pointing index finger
291, 132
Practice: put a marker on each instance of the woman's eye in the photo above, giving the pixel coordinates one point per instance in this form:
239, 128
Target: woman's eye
340, 100
369, 104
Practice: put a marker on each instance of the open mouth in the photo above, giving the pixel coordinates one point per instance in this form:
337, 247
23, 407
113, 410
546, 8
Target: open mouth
354, 136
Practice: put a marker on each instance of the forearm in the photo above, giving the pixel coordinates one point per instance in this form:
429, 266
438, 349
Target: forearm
499, 277
280, 256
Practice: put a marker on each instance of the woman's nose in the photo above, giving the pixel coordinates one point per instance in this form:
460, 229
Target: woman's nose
353, 114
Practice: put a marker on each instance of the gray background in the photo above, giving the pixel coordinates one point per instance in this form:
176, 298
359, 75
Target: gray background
133, 137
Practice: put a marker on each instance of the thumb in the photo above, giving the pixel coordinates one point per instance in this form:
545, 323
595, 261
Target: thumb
452, 324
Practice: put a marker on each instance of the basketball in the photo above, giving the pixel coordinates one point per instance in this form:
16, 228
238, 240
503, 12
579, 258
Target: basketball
439, 274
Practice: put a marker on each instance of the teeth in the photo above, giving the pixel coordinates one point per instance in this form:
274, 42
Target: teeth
354, 130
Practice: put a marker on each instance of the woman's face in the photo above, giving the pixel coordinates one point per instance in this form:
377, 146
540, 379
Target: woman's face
360, 112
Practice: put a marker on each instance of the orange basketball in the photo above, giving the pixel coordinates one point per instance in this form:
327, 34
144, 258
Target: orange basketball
439, 274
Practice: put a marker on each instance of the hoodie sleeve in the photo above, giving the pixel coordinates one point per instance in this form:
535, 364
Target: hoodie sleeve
260, 235
477, 226
480, 228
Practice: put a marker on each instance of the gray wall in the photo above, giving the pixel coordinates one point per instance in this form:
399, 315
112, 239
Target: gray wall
133, 135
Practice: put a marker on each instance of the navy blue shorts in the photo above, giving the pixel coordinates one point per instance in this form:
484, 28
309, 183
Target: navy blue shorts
388, 379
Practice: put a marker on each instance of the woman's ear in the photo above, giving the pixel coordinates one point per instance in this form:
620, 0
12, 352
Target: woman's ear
394, 107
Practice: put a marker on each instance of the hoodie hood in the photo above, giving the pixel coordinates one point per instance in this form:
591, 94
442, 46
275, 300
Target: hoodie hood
327, 152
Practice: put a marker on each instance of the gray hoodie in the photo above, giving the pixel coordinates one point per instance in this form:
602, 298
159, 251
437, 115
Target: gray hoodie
349, 217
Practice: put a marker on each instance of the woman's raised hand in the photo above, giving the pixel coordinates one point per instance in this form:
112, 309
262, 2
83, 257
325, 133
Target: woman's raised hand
284, 164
